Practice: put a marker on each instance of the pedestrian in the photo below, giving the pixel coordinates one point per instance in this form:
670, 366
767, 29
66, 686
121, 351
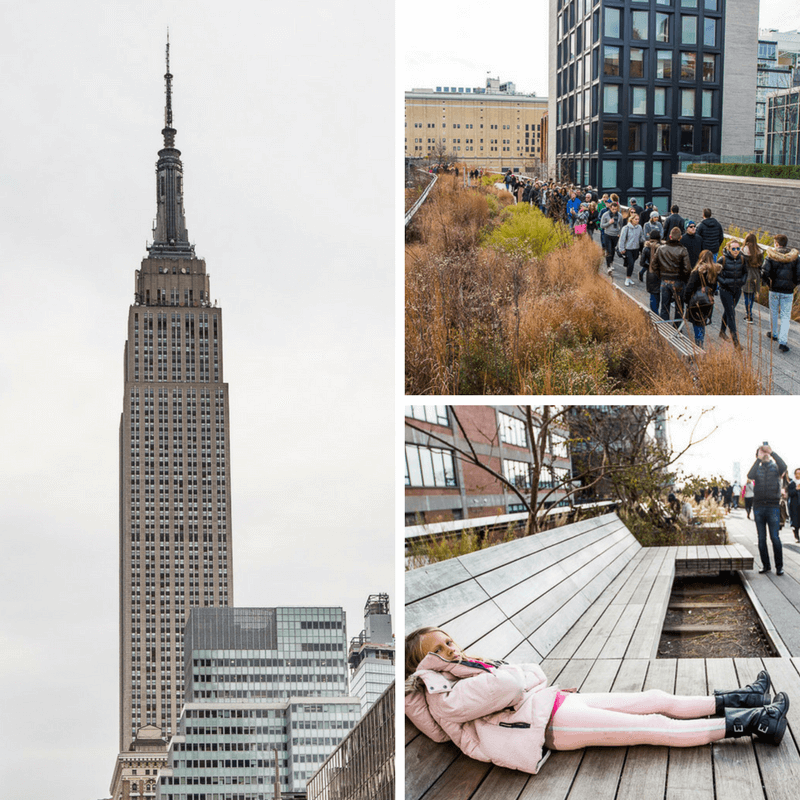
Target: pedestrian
611, 225
754, 259
653, 223
780, 273
698, 295
506, 714
793, 490
732, 277
711, 233
675, 220
653, 282
766, 473
631, 239
671, 265
747, 495
692, 242
581, 220
736, 492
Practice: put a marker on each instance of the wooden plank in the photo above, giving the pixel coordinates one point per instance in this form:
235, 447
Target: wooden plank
679, 606
691, 773
501, 784
735, 768
440, 608
504, 640
677, 630
426, 762
617, 643
460, 780
779, 766
555, 780
425, 581
645, 640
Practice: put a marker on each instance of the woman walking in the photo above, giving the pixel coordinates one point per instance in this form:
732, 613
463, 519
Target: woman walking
631, 240
506, 714
731, 279
698, 296
754, 259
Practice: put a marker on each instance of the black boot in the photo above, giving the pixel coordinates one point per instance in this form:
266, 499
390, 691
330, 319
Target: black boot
754, 695
767, 724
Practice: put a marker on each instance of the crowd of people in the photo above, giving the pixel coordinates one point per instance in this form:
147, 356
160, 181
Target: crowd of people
682, 262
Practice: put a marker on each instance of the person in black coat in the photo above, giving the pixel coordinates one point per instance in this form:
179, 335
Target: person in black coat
793, 491
732, 275
675, 220
766, 473
710, 231
692, 242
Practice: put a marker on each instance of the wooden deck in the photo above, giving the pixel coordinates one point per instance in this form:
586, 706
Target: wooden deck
611, 596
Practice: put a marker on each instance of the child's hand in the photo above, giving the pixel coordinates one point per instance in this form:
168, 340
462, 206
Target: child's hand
573, 689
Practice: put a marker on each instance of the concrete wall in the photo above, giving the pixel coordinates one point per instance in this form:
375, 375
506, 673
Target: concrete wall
740, 56
747, 203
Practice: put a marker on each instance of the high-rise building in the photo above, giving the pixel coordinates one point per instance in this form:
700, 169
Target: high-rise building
175, 518
263, 685
640, 87
783, 127
492, 127
773, 73
371, 653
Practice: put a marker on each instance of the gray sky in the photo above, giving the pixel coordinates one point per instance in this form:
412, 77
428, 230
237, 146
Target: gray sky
736, 427
457, 42
293, 213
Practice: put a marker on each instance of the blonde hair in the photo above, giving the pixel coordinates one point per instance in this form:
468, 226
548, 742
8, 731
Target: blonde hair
415, 654
706, 266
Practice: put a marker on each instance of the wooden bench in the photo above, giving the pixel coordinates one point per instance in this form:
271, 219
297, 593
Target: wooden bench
588, 602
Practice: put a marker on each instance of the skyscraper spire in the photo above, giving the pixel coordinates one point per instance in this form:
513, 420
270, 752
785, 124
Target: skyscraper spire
170, 237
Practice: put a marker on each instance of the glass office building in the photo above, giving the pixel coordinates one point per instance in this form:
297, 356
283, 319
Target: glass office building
638, 89
783, 127
266, 694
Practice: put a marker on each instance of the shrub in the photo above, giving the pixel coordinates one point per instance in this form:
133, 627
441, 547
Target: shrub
525, 231
787, 171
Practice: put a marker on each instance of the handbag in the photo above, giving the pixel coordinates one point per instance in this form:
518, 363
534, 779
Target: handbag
580, 228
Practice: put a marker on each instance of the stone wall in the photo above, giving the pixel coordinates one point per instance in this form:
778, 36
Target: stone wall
747, 203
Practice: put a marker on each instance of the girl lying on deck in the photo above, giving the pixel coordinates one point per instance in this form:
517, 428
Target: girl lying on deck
507, 714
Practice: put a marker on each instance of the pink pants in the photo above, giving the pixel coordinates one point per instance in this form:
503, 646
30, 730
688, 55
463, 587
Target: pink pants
614, 719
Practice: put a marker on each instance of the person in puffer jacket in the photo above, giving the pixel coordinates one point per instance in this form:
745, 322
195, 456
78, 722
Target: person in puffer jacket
767, 472
653, 283
506, 714
782, 273
731, 279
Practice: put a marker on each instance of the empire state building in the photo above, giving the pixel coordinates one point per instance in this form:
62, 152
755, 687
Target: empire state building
175, 519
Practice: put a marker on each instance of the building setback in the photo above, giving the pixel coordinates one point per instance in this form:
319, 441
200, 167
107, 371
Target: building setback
371, 653
639, 87
491, 128
175, 540
260, 683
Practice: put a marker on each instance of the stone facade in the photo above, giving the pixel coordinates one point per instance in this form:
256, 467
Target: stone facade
751, 204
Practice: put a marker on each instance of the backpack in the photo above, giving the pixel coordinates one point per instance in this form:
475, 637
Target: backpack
700, 304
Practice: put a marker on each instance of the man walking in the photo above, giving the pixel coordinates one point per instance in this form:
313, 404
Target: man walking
766, 473
782, 274
710, 233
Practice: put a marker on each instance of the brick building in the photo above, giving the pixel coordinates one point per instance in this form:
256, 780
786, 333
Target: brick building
442, 486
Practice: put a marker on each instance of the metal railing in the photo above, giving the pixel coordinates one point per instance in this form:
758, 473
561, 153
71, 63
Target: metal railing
421, 199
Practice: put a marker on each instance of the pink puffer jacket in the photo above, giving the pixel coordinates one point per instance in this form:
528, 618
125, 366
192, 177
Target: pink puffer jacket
495, 714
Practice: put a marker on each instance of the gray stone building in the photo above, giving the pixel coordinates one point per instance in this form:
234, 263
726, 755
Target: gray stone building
175, 535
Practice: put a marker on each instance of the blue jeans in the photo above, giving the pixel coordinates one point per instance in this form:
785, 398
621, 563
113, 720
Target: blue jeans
764, 517
780, 309
699, 334
729, 301
749, 298
654, 300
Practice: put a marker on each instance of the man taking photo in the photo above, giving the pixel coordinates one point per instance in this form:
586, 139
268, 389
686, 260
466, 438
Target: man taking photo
766, 472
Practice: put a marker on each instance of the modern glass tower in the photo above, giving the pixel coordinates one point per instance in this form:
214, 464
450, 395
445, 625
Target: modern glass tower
175, 518
640, 87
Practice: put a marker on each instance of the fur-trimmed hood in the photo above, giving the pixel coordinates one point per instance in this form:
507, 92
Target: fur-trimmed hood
782, 254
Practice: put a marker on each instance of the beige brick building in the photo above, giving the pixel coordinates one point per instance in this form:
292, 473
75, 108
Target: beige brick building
492, 127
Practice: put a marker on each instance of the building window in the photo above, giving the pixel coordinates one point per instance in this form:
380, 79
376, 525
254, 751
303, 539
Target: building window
664, 64
688, 30
611, 61
687, 102
611, 99
512, 430
658, 171
518, 473
609, 174
662, 138
429, 466
636, 68
706, 141
639, 100
688, 3
635, 139
662, 27
688, 66
637, 173
708, 98
709, 67
687, 138
611, 136
639, 20
710, 32
660, 101
711, 5
436, 414
612, 27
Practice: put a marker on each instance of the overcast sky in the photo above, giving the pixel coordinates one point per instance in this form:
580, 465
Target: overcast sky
288, 176
457, 42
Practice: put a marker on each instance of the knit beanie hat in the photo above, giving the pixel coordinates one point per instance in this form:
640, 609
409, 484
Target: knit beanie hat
690, 222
